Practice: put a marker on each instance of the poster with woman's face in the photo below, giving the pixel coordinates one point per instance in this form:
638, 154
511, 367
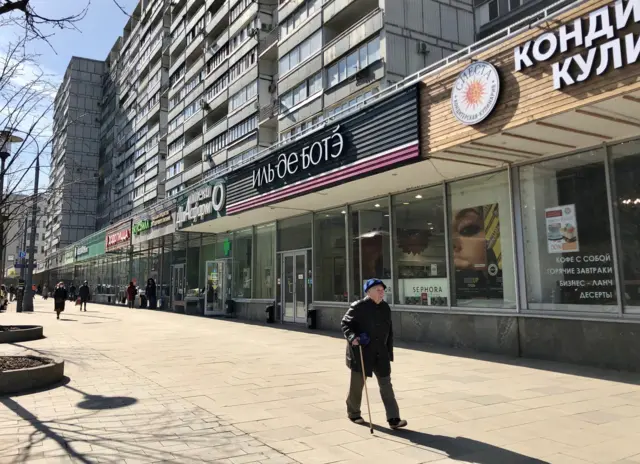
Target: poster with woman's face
477, 253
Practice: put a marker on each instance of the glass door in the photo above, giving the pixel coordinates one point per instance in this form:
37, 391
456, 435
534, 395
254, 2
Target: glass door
294, 286
177, 282
218, 288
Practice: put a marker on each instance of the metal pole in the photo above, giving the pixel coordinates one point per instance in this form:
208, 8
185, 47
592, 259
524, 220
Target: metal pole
23, 247
27, 304
2, 237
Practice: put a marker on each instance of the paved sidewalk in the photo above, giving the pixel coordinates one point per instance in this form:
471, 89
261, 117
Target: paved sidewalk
148, 386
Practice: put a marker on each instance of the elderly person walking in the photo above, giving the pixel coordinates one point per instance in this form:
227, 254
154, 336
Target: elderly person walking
367, 327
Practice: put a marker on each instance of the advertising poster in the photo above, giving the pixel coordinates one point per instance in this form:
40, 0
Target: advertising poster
562, 229
477, 252
432, 291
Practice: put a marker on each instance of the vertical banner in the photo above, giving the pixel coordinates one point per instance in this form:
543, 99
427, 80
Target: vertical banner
562, 229
477, 252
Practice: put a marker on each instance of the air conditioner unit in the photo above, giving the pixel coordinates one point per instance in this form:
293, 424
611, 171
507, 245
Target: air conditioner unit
253, 32
273, 87
423, 48
266, 27
204, 105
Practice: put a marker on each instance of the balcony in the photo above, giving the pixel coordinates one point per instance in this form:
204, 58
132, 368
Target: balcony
193, 120
193, 146
269, 111
192, 172
216, 129
267, 40
175, 19
219, 21
347, 40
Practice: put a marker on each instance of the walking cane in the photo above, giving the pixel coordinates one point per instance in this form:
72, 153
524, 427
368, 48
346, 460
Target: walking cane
366, 392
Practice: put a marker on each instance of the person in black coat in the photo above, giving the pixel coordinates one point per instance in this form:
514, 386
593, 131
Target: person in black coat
150, 292
367, 326
85, 295
59, 298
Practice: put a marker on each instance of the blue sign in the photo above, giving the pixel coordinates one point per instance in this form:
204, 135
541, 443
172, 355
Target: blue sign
22, 254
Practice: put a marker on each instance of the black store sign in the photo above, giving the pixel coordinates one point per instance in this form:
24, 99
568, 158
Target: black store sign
379, 137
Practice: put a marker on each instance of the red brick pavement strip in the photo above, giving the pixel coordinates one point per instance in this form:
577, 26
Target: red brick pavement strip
149, 386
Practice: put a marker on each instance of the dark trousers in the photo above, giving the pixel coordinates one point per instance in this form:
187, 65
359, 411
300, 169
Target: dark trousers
130, 302
354, 399
83, 303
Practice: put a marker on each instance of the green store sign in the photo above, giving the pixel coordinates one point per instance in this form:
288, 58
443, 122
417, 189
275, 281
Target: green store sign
144, 225
141, 226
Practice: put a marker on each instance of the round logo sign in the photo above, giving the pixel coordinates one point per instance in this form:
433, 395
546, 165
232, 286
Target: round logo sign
475, 93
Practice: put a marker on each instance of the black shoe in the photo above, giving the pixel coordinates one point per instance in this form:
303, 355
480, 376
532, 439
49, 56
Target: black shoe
397, 423
357, 420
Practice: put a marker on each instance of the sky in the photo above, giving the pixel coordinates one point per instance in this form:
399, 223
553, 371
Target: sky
96, 34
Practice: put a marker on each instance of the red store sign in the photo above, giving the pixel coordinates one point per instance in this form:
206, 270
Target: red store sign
118, 238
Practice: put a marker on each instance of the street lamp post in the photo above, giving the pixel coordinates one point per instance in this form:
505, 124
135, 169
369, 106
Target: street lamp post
6, 139
29, 294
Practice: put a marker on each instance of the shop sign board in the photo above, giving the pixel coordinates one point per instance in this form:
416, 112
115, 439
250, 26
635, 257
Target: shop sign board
206, 203
81, 251
381, 136
152, 226
475, 93
603, 45
562, 229
118, 239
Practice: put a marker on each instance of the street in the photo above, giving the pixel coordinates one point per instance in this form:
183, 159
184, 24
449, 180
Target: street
150, 386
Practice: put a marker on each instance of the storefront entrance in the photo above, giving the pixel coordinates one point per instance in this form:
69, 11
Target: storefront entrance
293, 292
177, 284
218, 289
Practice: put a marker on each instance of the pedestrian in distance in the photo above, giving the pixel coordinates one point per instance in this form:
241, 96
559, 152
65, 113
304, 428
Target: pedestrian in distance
45, 291
367, 326
12, 292
4, 302
85, 295
72, 292
60, 296
131, 294
150, 292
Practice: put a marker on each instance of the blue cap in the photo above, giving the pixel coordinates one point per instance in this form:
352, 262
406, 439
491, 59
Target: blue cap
372, 283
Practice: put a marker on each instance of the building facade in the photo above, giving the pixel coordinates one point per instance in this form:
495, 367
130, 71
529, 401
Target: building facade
17, 230
71, 206
494, 193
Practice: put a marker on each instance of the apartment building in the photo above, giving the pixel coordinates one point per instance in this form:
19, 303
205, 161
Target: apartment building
71, 205
133, 148
245, 74
494, 15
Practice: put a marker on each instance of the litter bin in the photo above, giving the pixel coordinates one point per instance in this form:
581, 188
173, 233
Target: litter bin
229, 307
311, 318
271, 314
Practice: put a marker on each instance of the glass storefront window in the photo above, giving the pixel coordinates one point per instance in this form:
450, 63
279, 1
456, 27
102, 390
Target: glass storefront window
330, 253
263, 273
371, 250
481, 245
192, 271
242, 243
625, 180
567, 235
294, 233
419, 248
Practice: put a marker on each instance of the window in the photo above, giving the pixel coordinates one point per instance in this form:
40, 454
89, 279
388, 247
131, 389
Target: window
192, 84
352, 103
329, 248
174, 169
359, 59
299, 16
176, 145
215, 145
241, 284
237, 10
138, 192
243, 96
480, 241
177, 75
297, 130
243, 128
371, 250
217, 59
242, 65
141, 133
625, 172
175, 122
419, 248
300, 93
139, 172
191, 109
567, 234
152, 141
218, 86
243, 34
196, 30
301, 52
140, 152
263, 272
173, 101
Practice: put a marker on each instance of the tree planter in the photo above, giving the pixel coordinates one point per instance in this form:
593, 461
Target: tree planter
20, 380
20, 333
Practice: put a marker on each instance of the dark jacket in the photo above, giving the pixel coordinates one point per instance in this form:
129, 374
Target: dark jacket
84, 293
131, 292
150, 291
59, 297
365, 316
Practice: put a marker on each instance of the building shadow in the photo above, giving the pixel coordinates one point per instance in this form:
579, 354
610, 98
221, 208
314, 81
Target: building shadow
459, 448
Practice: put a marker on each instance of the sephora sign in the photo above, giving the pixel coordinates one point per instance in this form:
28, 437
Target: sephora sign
602, 25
